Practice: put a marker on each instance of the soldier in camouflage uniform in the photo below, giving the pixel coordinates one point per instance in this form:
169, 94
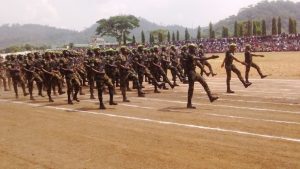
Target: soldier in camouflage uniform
204, 62
101, 80
229, 66
7, 63
73, 84
190, 67
31, 75
126, 72
250, 63
3, 73
15, 69
90, 62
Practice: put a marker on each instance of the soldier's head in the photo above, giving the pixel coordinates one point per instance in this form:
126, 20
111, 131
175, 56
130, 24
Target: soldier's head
110, 52
89, 53
123, 49
30, 56
37, 55
248, 47
20, 57
66, 53
163, 48
173, 48
8, 57
97, 51
232, 47
192, 48
183, 48
47, 55
53, 55
155, 49
140, 48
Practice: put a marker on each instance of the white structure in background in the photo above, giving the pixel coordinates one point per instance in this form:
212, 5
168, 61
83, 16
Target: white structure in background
97, 41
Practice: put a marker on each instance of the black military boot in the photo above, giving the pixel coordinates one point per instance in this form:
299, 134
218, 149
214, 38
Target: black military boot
111, 97
102, 106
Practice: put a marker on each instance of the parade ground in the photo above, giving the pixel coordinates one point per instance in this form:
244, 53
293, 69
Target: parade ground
257, 127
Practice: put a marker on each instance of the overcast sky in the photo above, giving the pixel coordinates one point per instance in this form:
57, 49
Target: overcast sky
80, 14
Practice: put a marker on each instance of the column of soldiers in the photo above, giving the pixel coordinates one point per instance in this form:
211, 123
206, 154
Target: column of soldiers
109, 69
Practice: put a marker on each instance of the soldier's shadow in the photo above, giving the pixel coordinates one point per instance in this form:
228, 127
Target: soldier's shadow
175, 110
94, 109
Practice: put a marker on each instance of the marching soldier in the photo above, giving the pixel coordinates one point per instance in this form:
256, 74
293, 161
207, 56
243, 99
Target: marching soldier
190, 67
17, 77
250, 63
229, 66
2, 74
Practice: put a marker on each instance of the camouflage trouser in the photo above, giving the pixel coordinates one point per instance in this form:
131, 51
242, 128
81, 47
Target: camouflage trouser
3, 78
9, 79
192, 77
236, 71
249, 65
18, 80
101, 81
31, 77
73, 84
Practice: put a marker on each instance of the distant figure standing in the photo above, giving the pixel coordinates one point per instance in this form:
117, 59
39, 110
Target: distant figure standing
248, 61
229, 66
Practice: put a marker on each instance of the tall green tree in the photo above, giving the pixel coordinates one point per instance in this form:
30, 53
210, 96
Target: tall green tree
225, 33
133, 41
279, 25
143, 37
236, 27
186, 34
177, 35
241, 29
169, 37
173, 37
249, 28
124, 39
151, 38
160, 37
211, 30
295, 26
291, 26
274, 26
254, 29
263, 28
199, 33
116, 26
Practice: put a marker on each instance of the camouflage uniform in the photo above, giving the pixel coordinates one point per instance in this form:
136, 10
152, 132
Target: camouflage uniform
190, 67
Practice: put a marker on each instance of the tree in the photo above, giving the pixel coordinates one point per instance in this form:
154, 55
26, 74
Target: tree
133, 40
295, 26
169, 37
213, 34
279, 25
236, 27
177, 35
116, 26
254, 29
291, 26
224, 32
211, 30
241, 29
124, 39
263, 28
160, 34
173, 37
274, 27
199, 33
151, 39
249, 28
143, 37
186, 34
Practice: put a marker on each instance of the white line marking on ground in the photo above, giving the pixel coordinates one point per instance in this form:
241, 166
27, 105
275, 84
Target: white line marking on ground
219, 105
297, 140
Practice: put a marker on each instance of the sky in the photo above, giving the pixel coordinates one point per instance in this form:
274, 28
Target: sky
81, 14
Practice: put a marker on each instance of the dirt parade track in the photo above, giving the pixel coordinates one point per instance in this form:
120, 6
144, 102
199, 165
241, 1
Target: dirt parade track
258, 127
254, 128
